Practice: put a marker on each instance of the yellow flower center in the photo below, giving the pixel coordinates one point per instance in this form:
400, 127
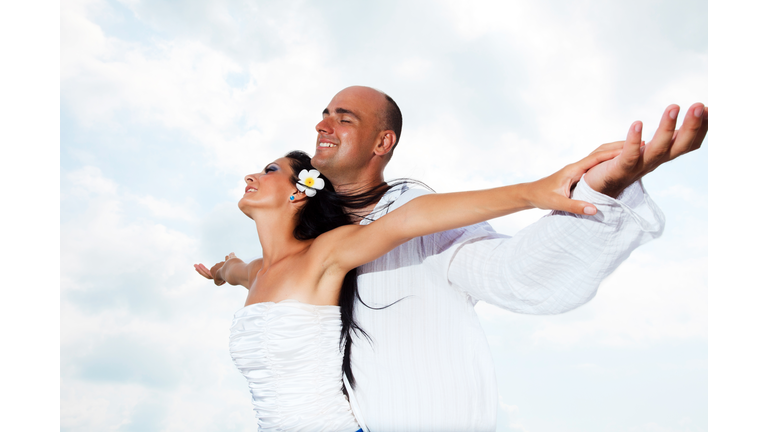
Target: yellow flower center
309, 182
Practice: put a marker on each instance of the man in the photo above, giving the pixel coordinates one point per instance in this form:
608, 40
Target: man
428, 365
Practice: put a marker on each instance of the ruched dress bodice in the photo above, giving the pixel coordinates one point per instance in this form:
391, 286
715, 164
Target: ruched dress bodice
289, 353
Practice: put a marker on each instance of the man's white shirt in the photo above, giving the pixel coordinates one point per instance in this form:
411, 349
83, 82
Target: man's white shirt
428, 366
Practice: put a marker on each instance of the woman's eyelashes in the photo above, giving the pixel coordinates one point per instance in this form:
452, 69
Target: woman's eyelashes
269, 169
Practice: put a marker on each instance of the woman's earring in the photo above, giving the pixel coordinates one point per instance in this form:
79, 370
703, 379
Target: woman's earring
292, 198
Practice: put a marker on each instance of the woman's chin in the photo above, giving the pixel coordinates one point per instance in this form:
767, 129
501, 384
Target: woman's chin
244, 206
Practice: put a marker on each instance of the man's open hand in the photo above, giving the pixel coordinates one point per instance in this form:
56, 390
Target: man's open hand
638, 159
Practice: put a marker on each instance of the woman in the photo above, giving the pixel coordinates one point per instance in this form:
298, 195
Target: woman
286, 338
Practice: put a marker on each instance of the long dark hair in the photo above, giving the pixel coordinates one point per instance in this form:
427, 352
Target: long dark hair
321, 213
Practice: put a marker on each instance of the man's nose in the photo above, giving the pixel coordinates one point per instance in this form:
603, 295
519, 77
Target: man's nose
324, 127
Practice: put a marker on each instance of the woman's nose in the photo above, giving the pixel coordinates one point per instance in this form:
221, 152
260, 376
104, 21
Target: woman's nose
250, 178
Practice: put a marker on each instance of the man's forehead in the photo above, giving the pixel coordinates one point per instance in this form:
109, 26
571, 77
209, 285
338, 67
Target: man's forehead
341, 110
356, 101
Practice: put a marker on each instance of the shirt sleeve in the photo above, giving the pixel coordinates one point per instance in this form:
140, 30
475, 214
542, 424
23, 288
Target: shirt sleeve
556, 264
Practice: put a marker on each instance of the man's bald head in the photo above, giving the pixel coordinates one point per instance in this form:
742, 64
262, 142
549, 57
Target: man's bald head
388, 113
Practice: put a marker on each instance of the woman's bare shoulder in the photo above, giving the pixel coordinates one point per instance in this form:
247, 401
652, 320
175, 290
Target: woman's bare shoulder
253, 268
330, 239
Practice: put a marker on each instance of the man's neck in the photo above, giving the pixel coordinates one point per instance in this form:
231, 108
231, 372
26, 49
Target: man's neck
357, 215
358, 186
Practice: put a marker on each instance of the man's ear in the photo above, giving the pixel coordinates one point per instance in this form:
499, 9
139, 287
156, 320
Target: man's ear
386, 143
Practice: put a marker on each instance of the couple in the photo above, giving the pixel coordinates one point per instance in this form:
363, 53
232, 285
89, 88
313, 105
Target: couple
391, 302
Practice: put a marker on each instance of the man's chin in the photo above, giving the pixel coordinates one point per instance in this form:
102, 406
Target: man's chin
319, 162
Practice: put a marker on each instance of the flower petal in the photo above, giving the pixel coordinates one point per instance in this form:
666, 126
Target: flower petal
319, 183
301, 187
314, 173
303, 174
310, 192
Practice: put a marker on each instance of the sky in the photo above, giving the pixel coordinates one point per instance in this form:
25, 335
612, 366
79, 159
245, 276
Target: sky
165, 106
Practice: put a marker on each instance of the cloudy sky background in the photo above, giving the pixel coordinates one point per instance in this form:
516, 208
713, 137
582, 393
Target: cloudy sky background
165, 106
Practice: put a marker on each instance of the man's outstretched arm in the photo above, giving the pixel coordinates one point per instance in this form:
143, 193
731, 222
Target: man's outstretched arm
558, 263
637, 160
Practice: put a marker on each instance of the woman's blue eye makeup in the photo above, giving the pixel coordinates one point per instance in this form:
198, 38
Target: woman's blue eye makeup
270, 168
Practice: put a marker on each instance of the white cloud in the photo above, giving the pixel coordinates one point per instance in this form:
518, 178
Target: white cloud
182, 85
648, 301
413, 69
246, 83
512, 412
88, 180
685, 193
645, 301
144, 337
655, 427
164, 209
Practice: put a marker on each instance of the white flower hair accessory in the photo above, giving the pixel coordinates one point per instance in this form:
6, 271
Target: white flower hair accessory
310, 182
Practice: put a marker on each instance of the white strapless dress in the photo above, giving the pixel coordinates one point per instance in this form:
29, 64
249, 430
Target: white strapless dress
289, 353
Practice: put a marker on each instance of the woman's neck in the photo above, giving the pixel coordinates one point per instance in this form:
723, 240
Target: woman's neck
276, 236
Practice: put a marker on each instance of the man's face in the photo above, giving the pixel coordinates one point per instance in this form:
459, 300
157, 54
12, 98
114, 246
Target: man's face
347, 134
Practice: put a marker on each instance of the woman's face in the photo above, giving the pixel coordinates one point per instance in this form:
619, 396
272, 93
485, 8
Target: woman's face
272, 187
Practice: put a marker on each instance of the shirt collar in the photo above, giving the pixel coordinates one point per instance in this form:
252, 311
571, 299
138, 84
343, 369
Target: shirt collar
382, 207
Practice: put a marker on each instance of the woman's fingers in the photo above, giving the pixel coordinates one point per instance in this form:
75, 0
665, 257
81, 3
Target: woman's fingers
203, 271
599, 156
573, 206
609, 146
586, 208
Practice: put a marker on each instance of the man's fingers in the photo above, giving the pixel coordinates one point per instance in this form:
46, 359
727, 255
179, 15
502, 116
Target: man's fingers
702, 133
631, 151
662, 139
633, 147
685, 139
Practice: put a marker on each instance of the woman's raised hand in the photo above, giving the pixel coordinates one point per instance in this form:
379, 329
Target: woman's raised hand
553, 192
213, 272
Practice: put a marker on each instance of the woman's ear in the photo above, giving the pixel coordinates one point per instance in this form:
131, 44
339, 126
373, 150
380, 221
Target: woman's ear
297, 197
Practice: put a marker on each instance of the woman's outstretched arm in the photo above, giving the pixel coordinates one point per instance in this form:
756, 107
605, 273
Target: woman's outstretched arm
232, 271
351, 246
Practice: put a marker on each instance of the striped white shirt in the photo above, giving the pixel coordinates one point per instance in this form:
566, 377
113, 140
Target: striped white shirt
429, 366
